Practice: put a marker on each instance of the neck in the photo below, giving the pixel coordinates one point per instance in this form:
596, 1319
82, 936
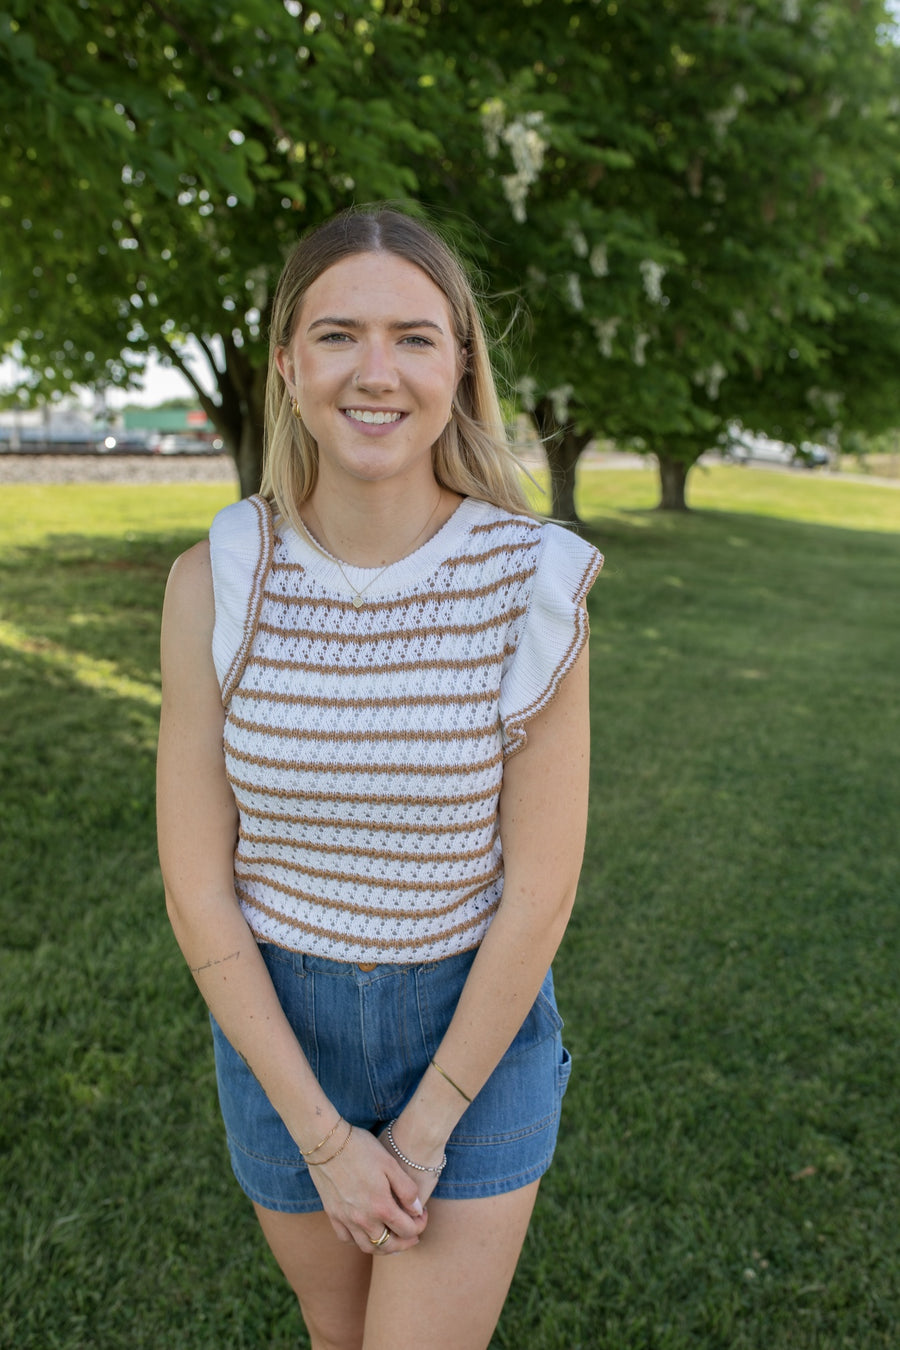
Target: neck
378, 528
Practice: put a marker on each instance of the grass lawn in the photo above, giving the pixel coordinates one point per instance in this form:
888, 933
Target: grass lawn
728, 1168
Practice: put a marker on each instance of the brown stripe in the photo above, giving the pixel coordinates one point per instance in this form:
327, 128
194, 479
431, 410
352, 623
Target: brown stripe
402, 701
344, 906
254, 603
408, 636
379, 944
358, 770
349, 879
464, 827
392, 735
407, 601
368, 798
354, 851
386, 668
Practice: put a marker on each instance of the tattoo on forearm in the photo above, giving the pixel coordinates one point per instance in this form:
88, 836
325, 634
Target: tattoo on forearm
195, 970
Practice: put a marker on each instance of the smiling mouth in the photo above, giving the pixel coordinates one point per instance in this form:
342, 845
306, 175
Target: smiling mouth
376, 418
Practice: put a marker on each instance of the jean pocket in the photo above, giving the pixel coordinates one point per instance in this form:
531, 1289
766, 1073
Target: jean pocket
564, 1072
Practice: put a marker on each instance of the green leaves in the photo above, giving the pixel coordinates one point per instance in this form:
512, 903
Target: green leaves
676, 191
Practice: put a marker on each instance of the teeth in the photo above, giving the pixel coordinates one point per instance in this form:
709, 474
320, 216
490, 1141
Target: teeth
379, 418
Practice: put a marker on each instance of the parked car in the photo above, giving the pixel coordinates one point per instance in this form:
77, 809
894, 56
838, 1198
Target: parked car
189, 444
744, 447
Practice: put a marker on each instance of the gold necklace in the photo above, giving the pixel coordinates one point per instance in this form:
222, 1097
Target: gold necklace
357, 594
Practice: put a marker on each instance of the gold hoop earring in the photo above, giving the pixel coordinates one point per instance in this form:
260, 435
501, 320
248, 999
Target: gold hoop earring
295, 409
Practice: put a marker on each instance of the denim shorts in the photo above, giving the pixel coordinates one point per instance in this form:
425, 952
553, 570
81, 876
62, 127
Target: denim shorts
368, 1036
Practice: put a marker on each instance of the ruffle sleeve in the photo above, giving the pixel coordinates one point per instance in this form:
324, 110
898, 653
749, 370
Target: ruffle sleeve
553, 632
241, 541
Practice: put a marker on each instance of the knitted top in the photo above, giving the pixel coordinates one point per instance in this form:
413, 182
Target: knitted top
365, 746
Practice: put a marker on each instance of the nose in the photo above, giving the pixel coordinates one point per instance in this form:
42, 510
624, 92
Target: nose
377, 370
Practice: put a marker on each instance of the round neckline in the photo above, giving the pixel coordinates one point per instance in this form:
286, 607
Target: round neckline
393, 579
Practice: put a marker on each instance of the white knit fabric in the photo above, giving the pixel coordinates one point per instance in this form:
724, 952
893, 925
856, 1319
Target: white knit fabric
365, 747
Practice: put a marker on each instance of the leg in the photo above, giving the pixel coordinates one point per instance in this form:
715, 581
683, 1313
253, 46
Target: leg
330, 1278
447, 1293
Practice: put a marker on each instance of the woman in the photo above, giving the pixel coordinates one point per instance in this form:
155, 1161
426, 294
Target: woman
373, 774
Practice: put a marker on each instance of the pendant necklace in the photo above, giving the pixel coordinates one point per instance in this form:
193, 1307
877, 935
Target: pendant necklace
356, 598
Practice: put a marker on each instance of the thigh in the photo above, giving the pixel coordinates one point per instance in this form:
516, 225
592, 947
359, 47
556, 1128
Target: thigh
330, 1278
447, 1293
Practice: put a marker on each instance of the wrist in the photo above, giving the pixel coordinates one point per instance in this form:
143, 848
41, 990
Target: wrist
429, 1118
432, 1165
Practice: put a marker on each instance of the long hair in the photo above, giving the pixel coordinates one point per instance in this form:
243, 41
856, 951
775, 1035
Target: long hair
472, 455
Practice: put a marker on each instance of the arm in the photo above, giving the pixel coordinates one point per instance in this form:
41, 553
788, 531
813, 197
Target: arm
543, 815
197, 823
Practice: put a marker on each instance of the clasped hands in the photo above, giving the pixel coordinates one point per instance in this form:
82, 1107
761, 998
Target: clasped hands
372, 1198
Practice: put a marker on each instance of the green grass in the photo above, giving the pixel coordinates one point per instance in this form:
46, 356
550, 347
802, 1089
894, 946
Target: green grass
728, 1166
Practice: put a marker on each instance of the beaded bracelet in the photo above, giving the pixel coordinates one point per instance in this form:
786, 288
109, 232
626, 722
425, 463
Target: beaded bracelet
332, 1156
420, 1167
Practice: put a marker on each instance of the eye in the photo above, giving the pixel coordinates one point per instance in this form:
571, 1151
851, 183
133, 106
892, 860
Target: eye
417, 340
335, 339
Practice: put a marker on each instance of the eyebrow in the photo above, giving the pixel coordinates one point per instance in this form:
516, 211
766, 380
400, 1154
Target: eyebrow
399, 325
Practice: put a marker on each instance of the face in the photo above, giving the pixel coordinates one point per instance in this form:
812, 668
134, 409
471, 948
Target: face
374, 365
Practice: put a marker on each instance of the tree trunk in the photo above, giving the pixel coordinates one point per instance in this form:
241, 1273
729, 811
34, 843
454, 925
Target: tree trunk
239, 414
249, 453
672, 481
563, 447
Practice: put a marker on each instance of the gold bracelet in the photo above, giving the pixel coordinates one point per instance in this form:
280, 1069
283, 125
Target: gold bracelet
331, 1157
435, 1065
322, 1141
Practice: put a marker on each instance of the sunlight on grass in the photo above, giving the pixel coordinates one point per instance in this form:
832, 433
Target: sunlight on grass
102, 676
815, 498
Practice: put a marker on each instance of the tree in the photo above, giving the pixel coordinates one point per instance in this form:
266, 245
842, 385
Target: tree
168, 158
684, 186
669, 199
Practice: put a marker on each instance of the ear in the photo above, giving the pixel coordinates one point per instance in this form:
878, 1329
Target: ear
285, 365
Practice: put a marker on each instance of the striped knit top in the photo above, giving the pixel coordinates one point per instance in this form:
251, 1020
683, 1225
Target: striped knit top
365, 746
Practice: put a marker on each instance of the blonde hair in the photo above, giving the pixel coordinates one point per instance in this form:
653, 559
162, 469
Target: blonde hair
472, 455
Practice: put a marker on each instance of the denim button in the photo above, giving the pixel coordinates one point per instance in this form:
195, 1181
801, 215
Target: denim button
367, 965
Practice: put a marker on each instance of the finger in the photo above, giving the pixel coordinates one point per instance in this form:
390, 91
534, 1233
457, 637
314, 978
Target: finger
406, 1191
387, 1243
341, 1230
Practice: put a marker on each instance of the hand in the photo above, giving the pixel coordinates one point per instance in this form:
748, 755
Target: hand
365, 1190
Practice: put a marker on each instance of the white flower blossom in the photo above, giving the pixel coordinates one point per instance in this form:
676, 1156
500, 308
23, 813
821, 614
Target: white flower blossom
605, 331
526, 145
791, 11
598, 261
575, 236
516, 191
573, 289
740, 321
722, 118
527, 387
560, 398
652, 274
492, 122
713, 378
827, 400
639, 350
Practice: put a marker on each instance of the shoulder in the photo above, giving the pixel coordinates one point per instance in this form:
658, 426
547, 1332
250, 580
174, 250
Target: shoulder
241, 527
189, 603
569, 560
556, 553
190, 577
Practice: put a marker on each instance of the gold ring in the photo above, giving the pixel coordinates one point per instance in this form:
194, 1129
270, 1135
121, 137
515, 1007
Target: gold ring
380, 1241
